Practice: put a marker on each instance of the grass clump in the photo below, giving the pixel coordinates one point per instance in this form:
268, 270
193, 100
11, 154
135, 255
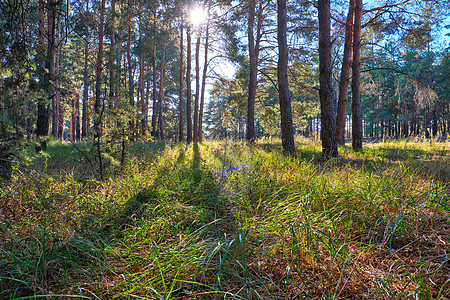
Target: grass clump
223, 220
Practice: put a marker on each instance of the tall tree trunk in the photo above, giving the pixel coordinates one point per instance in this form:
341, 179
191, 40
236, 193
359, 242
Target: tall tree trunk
205, 71
85, 114
85, 119
181, 135
98, 105
147, 97
154, 106
253, 50
58, 67
119, 56
112, 70
51, 62
130, 66
161, 93
43, 107
77, 118
91, 103
197, 83
253, 80
287, 130
141, 74
142, 94
357, 133
328, 122
72, 128
345, 78
188, 87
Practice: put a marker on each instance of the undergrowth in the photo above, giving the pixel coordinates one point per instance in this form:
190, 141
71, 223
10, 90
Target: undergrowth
222, 220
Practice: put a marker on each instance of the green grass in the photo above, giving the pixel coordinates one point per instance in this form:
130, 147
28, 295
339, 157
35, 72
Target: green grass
179, 223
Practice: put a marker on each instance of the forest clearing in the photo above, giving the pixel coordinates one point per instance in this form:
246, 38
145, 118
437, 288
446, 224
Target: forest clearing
224, 220
217, 149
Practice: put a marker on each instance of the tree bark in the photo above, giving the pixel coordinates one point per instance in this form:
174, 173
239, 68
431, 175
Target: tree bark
43, 107
77, 118
205, 71
253, 49
287, 130
161, 93
111, 56
188, 87
119, 55
85, 120
357, 133
328, 122
141, 75
72, 128
197, 83
253, 80
58, 68
180, 134
154, 106
51, 62
344, 81
98, 104
130, 66
147, 97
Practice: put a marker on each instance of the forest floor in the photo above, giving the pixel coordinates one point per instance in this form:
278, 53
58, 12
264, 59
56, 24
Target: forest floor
221, 220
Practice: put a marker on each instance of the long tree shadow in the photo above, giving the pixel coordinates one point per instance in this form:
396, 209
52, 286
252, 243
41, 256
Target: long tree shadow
190, 185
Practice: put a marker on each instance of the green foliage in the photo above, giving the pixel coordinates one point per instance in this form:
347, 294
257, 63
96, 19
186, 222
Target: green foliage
12, 154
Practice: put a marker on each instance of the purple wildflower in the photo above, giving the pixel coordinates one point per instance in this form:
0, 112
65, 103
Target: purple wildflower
223, 172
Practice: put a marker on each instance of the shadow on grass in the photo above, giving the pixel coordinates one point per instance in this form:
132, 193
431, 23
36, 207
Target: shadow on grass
148, 149
44, 259
304, 154
176, 189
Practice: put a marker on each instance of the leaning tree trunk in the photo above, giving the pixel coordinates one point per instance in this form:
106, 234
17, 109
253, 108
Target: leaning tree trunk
357, 133
328, 123
287, 131
345, 78
188, 87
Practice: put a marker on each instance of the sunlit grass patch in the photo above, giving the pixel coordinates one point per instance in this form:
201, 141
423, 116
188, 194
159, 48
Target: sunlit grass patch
226, 220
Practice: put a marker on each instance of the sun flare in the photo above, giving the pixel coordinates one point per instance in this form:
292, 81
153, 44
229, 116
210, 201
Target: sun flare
197, 16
